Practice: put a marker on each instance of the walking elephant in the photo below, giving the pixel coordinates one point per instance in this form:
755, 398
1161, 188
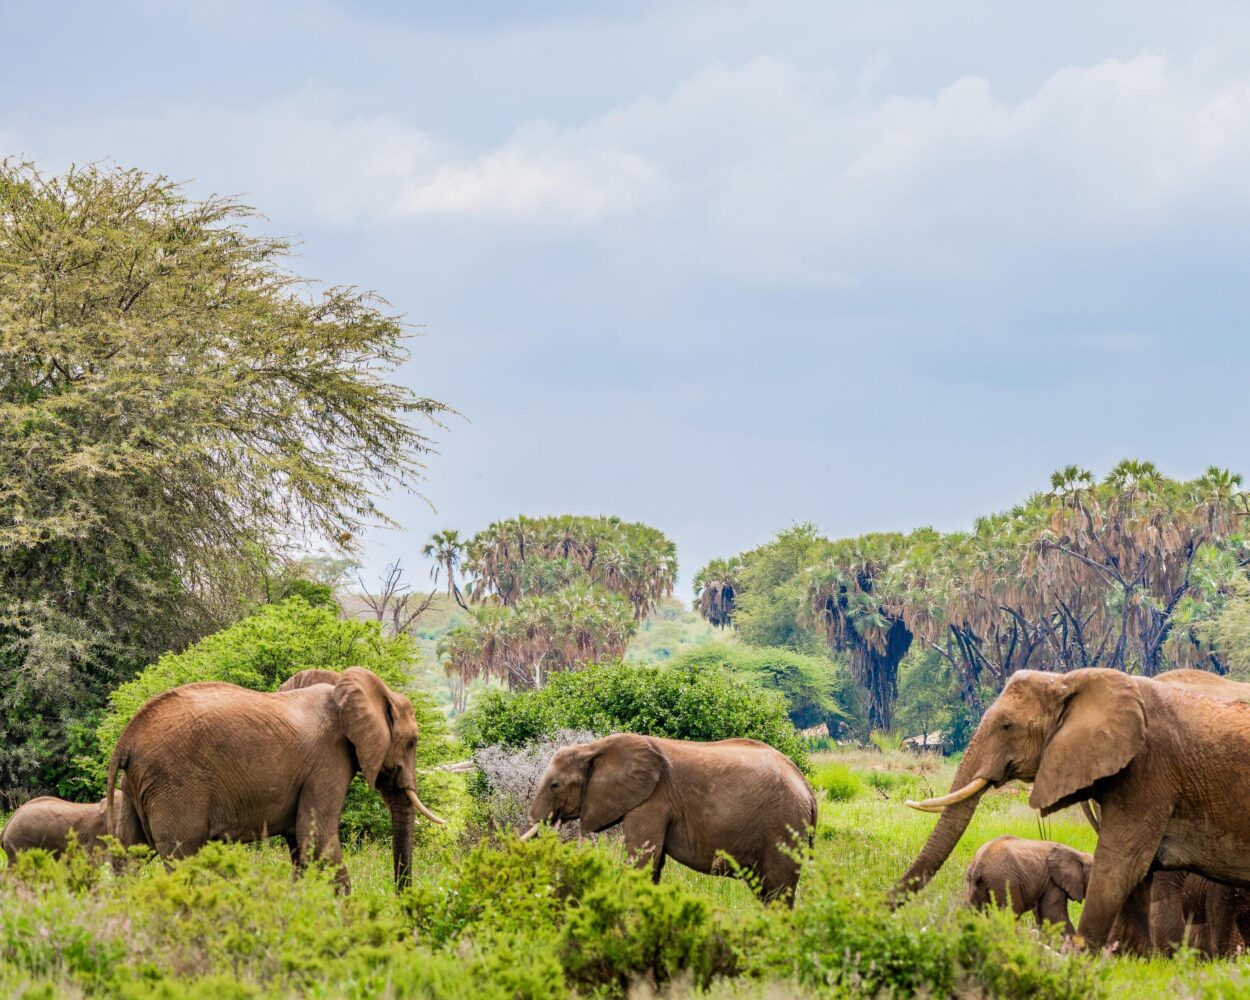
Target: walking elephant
213, 761
1166, 766
687, 801
45, 823
1030, 876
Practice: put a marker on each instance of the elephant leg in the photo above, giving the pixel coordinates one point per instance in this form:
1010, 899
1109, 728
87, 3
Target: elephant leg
1126, 849
1220, 900
645, 829
297, 857
1167, 913
779, 876
318, 838
1052, 908
1130, 931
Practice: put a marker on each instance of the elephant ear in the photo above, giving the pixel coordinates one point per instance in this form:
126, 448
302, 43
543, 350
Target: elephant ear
622, 774
1102, 726
307, 678
364, 707
1069, 870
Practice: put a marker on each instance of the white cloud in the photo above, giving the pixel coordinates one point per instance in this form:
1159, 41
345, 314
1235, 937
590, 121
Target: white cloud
536, 176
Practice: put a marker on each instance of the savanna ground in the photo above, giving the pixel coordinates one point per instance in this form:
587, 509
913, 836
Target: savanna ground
551, 919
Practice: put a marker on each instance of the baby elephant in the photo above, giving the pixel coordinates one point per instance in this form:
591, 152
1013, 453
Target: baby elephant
46, 821
688, 801
1037, 876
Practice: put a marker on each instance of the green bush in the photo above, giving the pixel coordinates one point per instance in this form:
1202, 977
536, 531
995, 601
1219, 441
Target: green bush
838, 782
844, 941
259, 653
810, 684
886, 741
894, 783
539, 919
680, 701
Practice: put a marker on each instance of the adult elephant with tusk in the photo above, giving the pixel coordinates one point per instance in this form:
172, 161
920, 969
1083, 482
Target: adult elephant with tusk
1164, 764
214, 761
693, 802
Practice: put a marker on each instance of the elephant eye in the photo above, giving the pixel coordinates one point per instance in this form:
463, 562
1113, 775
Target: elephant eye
1006, 723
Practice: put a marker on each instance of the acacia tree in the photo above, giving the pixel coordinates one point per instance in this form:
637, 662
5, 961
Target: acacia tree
174, 405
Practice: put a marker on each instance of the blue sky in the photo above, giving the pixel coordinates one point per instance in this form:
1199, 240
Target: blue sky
723, 266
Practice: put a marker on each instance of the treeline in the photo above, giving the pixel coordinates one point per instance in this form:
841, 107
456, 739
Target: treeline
549, 595
1137, 572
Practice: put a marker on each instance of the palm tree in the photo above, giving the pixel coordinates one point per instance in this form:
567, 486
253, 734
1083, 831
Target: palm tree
447, 551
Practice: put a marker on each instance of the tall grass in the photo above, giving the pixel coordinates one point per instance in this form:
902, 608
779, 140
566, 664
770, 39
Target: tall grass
546, 919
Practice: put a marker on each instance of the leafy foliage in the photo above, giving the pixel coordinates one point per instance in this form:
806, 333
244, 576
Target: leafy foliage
560, 592
1130, 572
259, 653
540, 919
681, 701
812, 686
540, 636
514, 559
1227, 634
172, 403
716, 588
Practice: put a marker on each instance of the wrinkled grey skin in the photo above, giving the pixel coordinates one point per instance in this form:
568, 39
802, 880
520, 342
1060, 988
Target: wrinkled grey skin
45, 823
217, 762
1030, 876
687, 801
1164, 763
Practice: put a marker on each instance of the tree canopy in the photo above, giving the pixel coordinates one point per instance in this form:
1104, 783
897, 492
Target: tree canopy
1128, 572
554, 594
175, 407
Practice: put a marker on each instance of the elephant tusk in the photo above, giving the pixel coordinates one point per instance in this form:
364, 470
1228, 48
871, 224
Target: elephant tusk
531, 831
556, 824
940, 803
416, 801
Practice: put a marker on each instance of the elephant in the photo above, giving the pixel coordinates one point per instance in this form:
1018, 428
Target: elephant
689, 801
212, 761
46, 821
1032, 876
1210, 916
1164, 763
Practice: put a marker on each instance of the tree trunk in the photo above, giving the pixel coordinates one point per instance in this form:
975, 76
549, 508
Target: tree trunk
878, 672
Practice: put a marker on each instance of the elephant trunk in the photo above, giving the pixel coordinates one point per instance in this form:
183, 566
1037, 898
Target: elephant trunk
403, 819
950, 827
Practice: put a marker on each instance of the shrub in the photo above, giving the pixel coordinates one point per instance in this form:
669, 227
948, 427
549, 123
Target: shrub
507, 777
260, 652
847, 942
837, 781
810, 684
607, 924
690, 702
886, 741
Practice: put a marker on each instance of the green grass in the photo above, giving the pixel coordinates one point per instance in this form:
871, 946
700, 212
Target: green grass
546, 919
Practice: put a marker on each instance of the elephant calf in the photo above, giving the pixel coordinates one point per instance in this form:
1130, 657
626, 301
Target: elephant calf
693, 802
45, 822
1033, 876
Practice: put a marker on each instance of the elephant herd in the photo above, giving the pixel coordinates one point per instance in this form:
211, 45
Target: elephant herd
1160, 765
1157, 763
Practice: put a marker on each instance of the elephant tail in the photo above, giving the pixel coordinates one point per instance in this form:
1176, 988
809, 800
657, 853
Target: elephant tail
117, 762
